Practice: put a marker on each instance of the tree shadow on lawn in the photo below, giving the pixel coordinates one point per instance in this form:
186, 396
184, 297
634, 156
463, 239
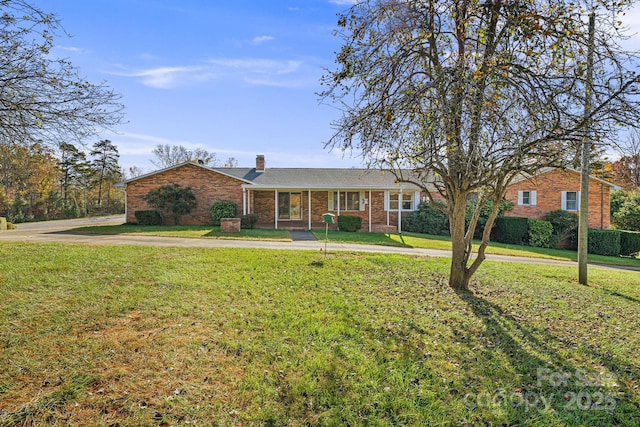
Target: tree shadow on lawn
619, 295
554, 388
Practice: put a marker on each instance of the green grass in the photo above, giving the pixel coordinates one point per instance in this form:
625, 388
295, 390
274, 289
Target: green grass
190, 231
413, 240
136, 336
416, 240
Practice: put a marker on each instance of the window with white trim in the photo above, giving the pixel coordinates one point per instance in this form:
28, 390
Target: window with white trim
570, 200
409, 202
527, 198
349, 200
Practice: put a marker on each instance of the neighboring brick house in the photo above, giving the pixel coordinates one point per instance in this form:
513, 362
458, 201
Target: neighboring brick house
296, 198
552, 189
284, 197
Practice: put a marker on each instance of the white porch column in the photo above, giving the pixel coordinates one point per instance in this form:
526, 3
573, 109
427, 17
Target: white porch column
244, 201
369, 208
338, 210
276, 208
388, 207
400, 211
309, 207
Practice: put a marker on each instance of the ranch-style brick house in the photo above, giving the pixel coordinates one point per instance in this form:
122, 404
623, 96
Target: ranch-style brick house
288, 198
297, 198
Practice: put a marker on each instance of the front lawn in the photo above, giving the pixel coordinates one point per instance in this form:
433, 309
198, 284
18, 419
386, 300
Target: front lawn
136, 336
417, 240
191, 231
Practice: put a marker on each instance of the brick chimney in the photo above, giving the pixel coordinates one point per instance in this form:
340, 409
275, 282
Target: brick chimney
260, 163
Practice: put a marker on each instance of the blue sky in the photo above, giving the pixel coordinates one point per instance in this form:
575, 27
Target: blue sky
234, 77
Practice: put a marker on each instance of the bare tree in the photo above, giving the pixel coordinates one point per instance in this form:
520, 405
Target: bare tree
133, 172
42, 97
169, 155
231, 162
469, 94
204, 157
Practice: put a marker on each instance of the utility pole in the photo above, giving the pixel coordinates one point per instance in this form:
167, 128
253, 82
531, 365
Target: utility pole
583, 220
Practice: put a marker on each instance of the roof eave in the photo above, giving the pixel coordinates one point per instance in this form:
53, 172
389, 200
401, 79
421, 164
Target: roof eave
254, 186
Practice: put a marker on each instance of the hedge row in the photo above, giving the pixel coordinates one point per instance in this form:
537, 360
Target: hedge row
428, 219
629, 242
540, 233
559, 228
153, 217
511, 229
222, 209
603, 242
614, 242
248, 221
349, 223
150, 217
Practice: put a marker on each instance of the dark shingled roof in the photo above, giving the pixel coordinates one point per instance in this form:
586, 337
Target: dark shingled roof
316, 178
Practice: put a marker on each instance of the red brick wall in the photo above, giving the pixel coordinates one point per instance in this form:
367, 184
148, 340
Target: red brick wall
264, 205
549, 187
208, 187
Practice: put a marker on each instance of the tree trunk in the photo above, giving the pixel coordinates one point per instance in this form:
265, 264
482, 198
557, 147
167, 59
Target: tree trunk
100, 193
583, 220
458, 276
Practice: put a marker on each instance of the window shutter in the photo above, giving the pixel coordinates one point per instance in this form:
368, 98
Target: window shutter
361, 203
564, 201
331, 205
578, 201
520, 198
386, 200
532, 198
416, 200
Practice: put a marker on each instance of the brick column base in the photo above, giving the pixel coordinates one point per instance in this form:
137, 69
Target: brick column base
230, 225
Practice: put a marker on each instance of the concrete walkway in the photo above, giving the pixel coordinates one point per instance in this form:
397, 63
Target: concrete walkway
54, 231
302, 235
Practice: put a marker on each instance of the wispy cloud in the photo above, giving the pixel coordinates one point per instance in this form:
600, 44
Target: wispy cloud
344, 2
166, 77
291, 73
259, 66
261, 39
264, 72
74, 49
142, 144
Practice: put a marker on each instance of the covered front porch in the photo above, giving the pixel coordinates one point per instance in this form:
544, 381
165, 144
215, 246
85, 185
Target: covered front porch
294, 208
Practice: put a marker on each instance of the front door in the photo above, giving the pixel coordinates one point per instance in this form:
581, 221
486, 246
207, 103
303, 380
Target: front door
290, 206
296, 206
